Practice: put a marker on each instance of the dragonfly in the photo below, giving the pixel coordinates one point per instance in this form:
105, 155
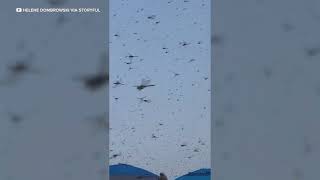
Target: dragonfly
118, 83
144, 99
174, 73
152, 17
184, 43
144, 84
130, 56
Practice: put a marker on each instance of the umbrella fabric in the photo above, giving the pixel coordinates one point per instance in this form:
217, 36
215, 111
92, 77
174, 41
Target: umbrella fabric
201, 174
128, 172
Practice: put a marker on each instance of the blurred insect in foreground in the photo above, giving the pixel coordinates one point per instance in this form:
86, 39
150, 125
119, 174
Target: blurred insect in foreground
100, 122
217, 39
19, 68
144, 84
57, 2
15, 118
61, 20
312, 51
97, 80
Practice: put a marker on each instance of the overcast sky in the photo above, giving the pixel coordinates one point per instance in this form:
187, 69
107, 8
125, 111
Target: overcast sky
168, 128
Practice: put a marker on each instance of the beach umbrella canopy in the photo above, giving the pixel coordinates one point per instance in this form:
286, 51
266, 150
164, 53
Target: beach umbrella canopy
201, 174
128, 172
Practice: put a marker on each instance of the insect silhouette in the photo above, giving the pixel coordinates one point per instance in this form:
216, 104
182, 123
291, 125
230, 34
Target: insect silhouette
61, 20
57, 2
152, 17
184, 43
143, 99
18, 118
191, 60
154, 136
115, 156
196, 150
312, 51
100, 122
128, 63
19, 68
144, 84
287, 27
130, 56
183, 145
217, 39
175, 74
15, 118
117, 83
96, 80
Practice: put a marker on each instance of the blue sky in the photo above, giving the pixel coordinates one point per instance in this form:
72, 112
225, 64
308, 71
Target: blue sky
170, 130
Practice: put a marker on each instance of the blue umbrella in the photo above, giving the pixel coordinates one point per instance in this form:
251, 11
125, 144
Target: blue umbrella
128, 172
201, 174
